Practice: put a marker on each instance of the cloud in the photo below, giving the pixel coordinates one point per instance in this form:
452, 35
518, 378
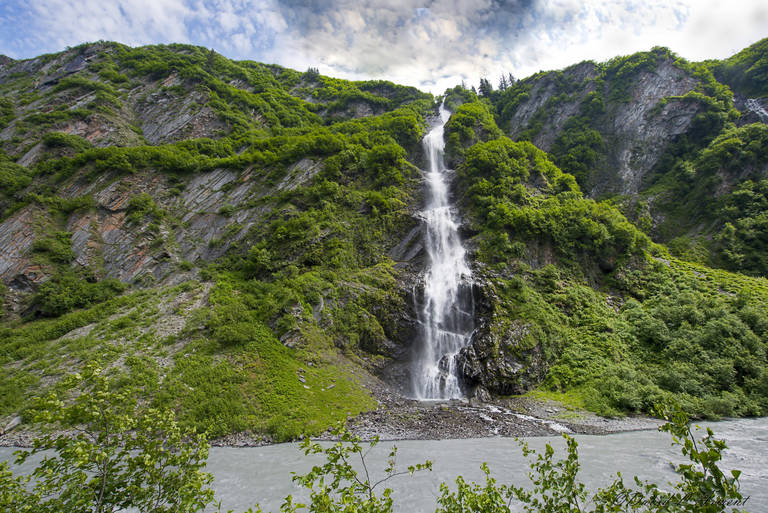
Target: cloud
401, 40
50, 25
432, 44
438, 43
239, 28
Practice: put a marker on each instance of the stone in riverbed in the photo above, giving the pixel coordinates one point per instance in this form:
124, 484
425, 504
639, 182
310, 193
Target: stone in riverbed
15, 422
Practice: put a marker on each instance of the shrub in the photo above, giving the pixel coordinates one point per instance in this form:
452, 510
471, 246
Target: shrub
142, 205
67, 291
62, 140
13, 177
123, 456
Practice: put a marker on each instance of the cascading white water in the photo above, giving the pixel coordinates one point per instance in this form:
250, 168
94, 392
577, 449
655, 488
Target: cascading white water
446, 315
754, 105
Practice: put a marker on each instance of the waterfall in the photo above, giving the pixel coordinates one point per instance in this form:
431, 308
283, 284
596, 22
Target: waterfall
446, 315
754, 105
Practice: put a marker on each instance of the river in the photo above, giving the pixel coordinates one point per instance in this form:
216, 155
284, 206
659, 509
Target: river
244, 476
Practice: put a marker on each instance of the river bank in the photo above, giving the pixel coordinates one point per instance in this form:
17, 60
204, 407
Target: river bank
400, 418
517, 417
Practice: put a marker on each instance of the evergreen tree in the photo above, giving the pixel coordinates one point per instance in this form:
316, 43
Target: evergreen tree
210, 60
312, 73
485, 87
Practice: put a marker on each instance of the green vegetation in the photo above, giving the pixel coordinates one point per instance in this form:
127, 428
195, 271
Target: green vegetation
616, 322
579, 147
314, 183
735, 161
13, 178
142, 205
504, 183
61, 140
6, 112
742, 243
747, 71
67, 291
695, 198
590, 95
620, 72
472, 122
294, 308
338, 486
124, 455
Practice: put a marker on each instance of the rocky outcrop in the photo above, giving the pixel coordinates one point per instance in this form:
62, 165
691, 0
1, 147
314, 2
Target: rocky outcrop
641, 132
543, 92
410, 249
200, 223
299, 173
145, 111
753, 110
636, 130
504, 356
503, 361
166, 117
17, 234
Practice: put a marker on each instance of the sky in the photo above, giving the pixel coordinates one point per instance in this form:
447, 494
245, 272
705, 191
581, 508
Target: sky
428, 44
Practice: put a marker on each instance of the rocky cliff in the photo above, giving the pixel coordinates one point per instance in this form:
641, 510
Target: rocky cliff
642, 129
637, 105
85, 93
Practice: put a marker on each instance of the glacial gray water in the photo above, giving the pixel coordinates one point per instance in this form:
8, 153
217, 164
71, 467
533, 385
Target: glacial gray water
446, 315
244, 476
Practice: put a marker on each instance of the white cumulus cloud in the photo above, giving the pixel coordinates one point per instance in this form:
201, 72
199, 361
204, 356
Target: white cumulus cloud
433, 44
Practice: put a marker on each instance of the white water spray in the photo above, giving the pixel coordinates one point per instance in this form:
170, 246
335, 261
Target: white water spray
446, 316
754, 105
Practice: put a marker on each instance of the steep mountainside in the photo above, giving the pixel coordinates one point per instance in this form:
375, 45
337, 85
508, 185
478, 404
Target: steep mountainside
661, 137
244, 239
277, 225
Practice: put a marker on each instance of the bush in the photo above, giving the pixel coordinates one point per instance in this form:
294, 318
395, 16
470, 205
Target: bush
123, 456
337, 487
56, 247
6, 112
67, 291
13, 177
142, 205
62, 140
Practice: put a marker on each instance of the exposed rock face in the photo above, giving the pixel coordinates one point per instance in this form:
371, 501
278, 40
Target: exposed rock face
636, 132
410, 249
640, 134
504, 356
398, 318
754, 110
149, 111
166, 118
543, 91
17, 234
502, 363
195, 226
299, 173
